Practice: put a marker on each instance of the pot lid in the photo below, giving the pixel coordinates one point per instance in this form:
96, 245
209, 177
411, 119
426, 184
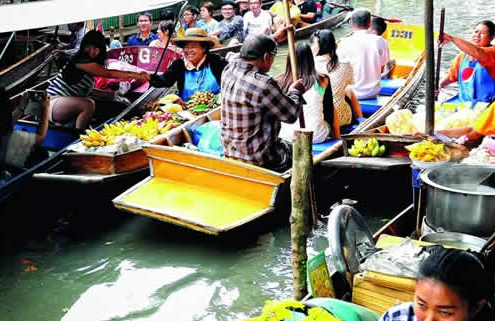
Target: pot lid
349, 238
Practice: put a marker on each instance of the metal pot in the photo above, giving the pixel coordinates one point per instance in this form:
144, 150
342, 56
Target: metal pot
461, 198
458, 240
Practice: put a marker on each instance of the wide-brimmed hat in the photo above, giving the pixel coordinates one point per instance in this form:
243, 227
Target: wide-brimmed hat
193, 34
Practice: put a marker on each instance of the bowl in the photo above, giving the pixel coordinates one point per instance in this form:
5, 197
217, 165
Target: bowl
427, 165
457, 240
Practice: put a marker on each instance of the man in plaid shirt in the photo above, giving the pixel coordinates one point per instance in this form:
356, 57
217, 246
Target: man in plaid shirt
253, 106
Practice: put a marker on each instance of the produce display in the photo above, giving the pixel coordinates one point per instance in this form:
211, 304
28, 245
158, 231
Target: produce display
447, 116
199, 103
151, 125
367, 147
426, 151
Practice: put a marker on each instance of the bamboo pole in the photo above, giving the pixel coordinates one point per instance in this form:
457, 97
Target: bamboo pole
292, 55
439, 52
302, 172
430, 69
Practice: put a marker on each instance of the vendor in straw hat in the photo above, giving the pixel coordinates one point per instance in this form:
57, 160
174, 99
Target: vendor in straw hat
198, 70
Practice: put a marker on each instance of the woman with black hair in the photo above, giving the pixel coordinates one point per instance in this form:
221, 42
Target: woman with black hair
319, 112
452, 285
341, 76
474, 68
70, 89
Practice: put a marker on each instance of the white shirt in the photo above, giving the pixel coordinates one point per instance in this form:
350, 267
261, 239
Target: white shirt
367, 53
255, 25
313, 116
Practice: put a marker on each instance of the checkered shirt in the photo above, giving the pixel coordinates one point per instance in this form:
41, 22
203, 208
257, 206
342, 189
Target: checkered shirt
253, 106
401, 312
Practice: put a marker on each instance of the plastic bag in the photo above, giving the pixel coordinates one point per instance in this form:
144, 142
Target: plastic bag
401, 260
400, 122
462, 118
207, 138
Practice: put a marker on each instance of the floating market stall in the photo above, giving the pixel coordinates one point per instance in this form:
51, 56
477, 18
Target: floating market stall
191, 206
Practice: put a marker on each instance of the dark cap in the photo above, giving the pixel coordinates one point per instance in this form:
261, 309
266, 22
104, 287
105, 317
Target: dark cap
228, 2
255, 46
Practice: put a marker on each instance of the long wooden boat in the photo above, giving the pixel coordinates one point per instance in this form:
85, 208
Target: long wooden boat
57, 138
213, 195
16, 69
301, 33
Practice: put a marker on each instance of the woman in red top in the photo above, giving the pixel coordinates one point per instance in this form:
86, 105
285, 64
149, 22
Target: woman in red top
474, 67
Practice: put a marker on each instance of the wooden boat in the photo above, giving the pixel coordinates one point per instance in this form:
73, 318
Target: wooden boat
301, 33
18, 69
213, 195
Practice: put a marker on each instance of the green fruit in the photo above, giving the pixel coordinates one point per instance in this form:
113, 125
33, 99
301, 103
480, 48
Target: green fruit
382, 150
353, 152
375, 151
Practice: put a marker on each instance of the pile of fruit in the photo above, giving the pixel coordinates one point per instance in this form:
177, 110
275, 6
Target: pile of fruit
367, 147
199, 98
427, 151
151, 125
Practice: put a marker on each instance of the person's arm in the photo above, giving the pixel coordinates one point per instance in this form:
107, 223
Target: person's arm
285, 107
98, 70
169, 77
468, 47
43, 123
308, 17
355, 106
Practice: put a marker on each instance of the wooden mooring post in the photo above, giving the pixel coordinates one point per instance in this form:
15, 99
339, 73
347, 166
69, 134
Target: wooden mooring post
302, 172
430, 69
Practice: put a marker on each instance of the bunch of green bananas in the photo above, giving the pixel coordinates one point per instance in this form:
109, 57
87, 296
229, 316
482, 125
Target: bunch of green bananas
367, 147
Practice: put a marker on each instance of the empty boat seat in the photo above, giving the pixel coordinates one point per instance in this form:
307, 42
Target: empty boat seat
370, 106
320, 147
390, 85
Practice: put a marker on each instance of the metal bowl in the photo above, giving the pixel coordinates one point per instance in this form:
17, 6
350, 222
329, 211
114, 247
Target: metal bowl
457, 240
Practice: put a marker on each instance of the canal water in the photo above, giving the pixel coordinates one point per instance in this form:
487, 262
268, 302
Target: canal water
107, 265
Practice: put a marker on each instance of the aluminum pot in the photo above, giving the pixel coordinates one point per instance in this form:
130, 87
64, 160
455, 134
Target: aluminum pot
457, 240
460, 198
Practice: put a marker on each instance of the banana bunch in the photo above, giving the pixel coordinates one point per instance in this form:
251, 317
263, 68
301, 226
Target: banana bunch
95, 138
367, 147
172, 98
201, 98
427, 151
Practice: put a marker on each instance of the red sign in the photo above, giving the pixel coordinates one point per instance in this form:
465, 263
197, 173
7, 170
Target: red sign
146, 58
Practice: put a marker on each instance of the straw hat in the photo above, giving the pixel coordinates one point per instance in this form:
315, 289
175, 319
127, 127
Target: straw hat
193, 34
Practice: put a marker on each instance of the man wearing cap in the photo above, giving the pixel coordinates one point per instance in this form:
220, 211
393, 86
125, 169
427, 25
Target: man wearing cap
199, 70
243, 7
144, 36
367, 54
254, 105
257, 20
231, 28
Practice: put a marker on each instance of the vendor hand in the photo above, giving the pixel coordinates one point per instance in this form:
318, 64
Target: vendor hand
298, 85
143, 75
281, 34
180, 102
446, 39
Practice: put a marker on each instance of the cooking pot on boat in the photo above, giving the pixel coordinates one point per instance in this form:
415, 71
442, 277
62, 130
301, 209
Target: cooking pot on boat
461, 198
458, 240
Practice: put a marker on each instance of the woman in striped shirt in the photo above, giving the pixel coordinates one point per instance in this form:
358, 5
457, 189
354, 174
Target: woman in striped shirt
70, 89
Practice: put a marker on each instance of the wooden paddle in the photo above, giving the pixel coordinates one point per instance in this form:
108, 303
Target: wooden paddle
170, 36
439, 52
349, 8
